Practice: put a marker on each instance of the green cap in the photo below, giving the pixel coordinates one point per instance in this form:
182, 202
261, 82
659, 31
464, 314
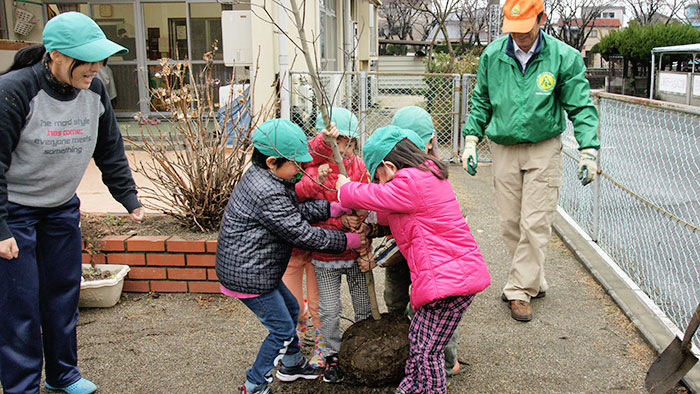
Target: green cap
416, 119
381, 142
76, 35
282, 138
345, 121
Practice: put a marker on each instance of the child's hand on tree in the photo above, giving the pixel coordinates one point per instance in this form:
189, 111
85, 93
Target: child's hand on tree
342, 179
351, 222
323, 171
328, 134
366, 260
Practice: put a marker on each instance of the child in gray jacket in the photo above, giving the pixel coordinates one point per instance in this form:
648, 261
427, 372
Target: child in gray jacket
262, 222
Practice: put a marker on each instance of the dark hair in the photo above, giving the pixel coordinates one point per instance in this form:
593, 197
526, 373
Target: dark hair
539, 17
31, 55
406, 154
259, 159
27, 56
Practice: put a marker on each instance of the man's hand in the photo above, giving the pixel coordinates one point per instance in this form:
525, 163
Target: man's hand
9, 249
137, 214
587, 165
470, 159
342, 179
328, 134
323, 171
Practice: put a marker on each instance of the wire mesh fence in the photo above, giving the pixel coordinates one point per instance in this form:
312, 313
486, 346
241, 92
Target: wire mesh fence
645, 212
375, 98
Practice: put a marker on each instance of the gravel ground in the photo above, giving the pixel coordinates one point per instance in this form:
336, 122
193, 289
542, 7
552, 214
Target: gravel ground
578, 342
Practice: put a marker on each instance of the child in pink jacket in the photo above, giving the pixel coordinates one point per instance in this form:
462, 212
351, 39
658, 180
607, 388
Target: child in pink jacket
412, 195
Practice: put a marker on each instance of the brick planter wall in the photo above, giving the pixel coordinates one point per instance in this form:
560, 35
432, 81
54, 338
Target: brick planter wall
161, 263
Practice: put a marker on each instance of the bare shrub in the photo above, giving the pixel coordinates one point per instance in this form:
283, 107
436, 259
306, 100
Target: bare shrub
193, 163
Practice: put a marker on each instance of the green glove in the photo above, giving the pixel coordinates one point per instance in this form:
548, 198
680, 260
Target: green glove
587, 165
470, 159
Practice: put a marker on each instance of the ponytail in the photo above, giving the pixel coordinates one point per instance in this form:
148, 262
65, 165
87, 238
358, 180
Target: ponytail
27, 56
406, 154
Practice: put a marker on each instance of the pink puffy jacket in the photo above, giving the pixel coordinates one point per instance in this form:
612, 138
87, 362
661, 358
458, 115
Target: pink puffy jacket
429, 228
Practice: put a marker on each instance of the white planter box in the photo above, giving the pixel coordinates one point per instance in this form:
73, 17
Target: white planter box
103, 293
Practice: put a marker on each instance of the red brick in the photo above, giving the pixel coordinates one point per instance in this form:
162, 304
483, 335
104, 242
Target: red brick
113, 243
187, 273
168, 286
99, 258
211, 246
147, 273
165, 259
201, 260
129, 259
211, 274
183, 245
143, 243
136, 286
204, 287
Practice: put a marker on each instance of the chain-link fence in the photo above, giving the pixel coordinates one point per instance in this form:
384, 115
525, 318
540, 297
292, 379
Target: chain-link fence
375, 98
644, 210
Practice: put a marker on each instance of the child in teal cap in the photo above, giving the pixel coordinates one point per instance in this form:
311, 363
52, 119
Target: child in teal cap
412, 195
330, 268
50, 96
419, 121
262, 222
397, 281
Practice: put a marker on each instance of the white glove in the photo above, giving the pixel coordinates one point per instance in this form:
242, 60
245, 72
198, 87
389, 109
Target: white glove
470, 159
587, 165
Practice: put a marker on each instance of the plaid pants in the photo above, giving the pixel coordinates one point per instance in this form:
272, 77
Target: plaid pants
330, 307
431, 330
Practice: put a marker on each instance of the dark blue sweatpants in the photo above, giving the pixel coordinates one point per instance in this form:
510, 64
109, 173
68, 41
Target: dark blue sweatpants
39, 294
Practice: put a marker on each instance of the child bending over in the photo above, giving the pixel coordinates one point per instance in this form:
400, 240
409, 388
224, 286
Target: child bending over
262, 222
447, 269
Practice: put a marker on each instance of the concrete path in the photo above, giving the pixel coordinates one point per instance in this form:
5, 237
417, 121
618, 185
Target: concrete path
578, 342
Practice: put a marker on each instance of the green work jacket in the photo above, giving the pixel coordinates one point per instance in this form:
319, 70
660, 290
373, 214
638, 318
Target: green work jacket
515, 108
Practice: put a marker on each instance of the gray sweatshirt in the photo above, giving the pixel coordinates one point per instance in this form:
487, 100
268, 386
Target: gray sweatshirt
48, 133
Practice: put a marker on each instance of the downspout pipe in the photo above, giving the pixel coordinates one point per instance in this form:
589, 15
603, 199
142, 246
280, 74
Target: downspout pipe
285, 85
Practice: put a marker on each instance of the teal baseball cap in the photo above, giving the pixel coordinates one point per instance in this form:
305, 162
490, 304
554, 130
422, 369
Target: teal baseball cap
382, 141
345, 121
416, 119
78, 36
282, 138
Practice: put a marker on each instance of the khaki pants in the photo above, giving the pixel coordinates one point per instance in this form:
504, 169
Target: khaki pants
526, 180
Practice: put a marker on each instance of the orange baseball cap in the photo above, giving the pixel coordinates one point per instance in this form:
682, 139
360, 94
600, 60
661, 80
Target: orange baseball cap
521, 15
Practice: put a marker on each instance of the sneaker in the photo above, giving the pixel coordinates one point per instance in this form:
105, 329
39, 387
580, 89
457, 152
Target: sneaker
332, 373
264, 390
82, 386
302, 370
317, 359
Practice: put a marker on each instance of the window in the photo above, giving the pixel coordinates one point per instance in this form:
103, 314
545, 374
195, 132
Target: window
594, 34
205, 27
372, 31
3, 24
328, 42
606, 15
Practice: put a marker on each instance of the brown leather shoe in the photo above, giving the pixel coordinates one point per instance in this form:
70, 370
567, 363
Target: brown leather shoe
541, 294
520, 310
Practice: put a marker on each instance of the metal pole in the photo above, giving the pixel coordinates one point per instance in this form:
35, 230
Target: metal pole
653, 72
455, 117
595, 231
363, 107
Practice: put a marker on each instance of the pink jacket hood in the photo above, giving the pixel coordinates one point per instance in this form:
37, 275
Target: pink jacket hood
427, 223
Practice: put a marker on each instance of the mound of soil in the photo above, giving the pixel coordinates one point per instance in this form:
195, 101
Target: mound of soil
95, 226
374, 352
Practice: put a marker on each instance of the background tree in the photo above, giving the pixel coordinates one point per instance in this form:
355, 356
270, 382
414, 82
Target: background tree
473, 18
400, 16
647, 12
440, 11
576, 19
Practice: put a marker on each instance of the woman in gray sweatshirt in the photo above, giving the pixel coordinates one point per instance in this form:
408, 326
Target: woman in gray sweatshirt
54, 117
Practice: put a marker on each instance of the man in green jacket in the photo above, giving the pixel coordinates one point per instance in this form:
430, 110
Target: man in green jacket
527, 83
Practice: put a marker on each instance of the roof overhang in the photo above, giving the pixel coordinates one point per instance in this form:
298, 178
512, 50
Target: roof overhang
688, 48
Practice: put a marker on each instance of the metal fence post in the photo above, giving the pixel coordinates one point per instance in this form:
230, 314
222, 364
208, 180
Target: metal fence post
363, 107
595, 230
455, 117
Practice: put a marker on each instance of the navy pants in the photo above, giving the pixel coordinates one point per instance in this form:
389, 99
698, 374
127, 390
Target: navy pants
39, 294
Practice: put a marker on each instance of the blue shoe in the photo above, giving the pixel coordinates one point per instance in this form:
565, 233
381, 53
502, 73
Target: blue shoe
82, 386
